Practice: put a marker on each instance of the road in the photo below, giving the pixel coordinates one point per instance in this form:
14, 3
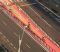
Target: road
45, 22
10, 32
9, 29
24, 17
30, 45
53, 7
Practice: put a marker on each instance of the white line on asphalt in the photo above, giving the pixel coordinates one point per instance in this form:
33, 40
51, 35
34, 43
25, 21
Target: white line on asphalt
14, 47
28, 46
4, 23
1, 33
20, 42
11, 44
7, 40
4, 36
15, 34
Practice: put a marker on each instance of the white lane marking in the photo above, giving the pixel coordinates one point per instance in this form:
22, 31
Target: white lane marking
14, 47
4, 36
1, 33
20, 42
11, 44
47, 23
28, 46
19, 45
7, 40
15, 33
4, 23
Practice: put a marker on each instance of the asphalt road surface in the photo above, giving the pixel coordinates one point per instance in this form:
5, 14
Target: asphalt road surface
30, 45
10, 30
9, 35
49, 26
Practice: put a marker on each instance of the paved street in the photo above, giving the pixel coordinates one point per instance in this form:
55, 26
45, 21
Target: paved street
29, 44
10, 30
45, 22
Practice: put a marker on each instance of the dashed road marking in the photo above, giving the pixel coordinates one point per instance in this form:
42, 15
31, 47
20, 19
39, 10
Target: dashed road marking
28, 46
4, 36
1, 33
15, 33
4, 23
7, 40
11, 44
14, 47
